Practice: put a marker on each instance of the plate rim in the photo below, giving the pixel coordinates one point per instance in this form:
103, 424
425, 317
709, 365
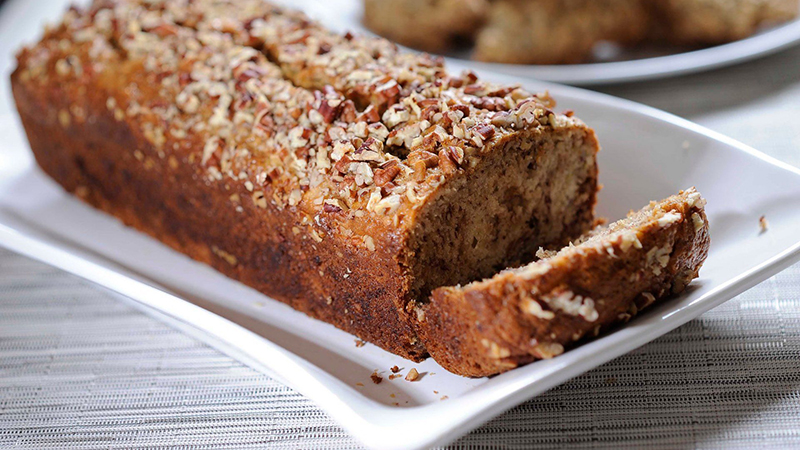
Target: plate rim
385, 426
765, 43
768, 40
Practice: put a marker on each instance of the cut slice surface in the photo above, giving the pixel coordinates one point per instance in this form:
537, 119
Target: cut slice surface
536, 311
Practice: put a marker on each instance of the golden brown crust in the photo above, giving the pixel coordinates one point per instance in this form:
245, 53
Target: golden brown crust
536, 311
305, 183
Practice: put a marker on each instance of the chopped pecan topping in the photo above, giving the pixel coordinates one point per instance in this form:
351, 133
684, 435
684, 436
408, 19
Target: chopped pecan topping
299, 114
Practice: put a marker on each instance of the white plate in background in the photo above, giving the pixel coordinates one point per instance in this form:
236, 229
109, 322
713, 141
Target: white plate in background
647, 154
630, 65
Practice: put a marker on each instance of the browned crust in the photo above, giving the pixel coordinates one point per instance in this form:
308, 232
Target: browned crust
535, 312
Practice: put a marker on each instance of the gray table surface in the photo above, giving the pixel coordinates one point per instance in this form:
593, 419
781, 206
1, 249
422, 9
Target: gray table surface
79, 368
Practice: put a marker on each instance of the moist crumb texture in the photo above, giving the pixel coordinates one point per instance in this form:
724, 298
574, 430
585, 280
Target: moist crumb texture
539, 310
331, 172
566, 31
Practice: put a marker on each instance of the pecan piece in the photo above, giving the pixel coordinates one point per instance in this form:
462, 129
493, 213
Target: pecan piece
343, 165
387, 92
369, 115
349, 112
427, 102
489, 103
246, 72
163, 30
464, 109
429, 112
369, 150
473, 89
447, 164
456, 153
420, 171
502, 91
330, 109
484, 130
331, 208
387, 175
387, 188
427, 158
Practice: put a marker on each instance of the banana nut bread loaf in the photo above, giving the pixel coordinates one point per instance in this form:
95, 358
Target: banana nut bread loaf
331, 172
536, 311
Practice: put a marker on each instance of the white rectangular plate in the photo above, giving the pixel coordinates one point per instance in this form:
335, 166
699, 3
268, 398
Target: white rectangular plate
646, 155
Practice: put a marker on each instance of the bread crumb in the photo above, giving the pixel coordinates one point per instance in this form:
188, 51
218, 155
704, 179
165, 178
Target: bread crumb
444, 397
413, 375
391, 395
360, 343
395, 369
763, 224
376, 378
360, 384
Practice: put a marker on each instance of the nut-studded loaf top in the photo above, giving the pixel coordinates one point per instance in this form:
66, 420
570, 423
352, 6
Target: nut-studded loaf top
189, 80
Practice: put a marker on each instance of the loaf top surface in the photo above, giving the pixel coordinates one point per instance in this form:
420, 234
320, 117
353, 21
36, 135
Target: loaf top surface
329, 124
